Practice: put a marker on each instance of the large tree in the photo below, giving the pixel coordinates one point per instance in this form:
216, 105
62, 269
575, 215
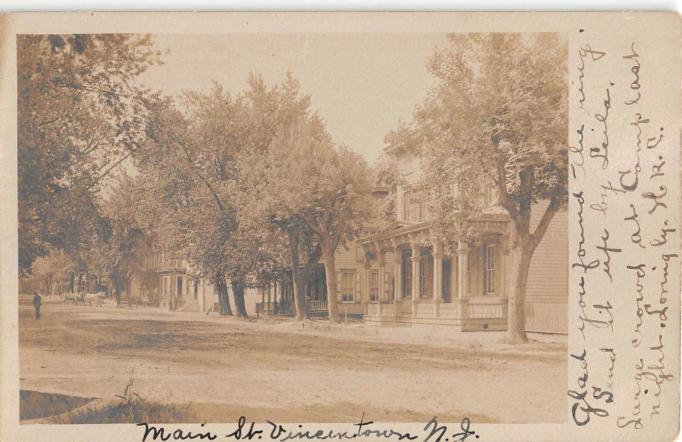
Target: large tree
125, 236
80, 115
319, 189
184, 181
202, 167
341, 207
498, 111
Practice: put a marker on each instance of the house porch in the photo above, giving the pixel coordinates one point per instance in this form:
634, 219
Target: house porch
424, 283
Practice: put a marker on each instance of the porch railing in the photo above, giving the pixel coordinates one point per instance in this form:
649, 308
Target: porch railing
456, 310
488, 310
316, 305
449, 310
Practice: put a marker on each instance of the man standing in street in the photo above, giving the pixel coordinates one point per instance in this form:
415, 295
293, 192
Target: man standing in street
37, 300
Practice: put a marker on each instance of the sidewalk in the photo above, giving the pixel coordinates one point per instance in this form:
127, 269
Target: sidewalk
427, 335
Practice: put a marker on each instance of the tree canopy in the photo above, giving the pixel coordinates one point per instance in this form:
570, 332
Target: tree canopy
497, 114
80, 115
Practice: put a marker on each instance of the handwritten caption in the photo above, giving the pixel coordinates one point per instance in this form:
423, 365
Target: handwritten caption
433, 431
624, 198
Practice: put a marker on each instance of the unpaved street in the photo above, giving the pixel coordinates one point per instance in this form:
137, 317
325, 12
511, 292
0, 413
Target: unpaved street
227, 367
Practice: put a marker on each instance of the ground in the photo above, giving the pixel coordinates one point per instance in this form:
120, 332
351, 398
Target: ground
287, 371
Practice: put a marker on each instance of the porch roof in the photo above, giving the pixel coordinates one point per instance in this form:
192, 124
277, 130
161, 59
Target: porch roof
400, 232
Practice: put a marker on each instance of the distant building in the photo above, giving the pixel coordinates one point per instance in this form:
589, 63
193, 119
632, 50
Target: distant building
167, 281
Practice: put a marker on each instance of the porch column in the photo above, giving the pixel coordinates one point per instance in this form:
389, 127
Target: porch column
398, 276
504, 256
437, 273
462, 270
381, 283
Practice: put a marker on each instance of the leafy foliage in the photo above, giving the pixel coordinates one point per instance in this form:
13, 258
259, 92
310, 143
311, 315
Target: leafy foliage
203, 168
80, 114
498, 113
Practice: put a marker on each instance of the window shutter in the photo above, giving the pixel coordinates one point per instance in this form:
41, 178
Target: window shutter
358, 288
498, 270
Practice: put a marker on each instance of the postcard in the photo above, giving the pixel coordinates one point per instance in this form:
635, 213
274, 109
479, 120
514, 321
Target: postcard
375, 226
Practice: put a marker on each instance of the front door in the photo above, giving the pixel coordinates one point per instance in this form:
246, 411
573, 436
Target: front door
447, 283
406, 283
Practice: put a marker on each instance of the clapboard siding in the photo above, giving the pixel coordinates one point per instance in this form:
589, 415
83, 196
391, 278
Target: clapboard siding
546, 318
547, 290
346, 258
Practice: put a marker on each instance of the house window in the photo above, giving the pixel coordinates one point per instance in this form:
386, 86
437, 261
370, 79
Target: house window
347, 286
179, 290
407, 197
489, 269
413, 207
374, 286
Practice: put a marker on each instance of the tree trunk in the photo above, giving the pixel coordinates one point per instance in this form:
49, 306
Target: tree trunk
298, 282
522, 253
262, 299
72, 282
274, 306
238, 294
80, 282
129, 283
223, 297
299, 295
330, 271
117, 292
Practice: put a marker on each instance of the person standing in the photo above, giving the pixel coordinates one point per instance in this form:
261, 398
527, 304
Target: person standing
37, 300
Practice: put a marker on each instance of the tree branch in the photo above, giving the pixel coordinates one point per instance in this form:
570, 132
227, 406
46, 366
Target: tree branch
82, 87
196, 168
106, 172
539, 233
500, 182
91, 147
50, 121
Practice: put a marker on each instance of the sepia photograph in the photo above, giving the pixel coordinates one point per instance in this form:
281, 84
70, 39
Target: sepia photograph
311, 227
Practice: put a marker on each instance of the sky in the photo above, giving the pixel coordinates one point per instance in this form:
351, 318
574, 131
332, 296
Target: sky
360, 84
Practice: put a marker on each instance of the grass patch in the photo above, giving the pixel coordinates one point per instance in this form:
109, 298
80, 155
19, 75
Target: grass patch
134, 411
126, 408
36, 405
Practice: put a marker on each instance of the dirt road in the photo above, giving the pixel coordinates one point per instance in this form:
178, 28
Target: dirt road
265, 369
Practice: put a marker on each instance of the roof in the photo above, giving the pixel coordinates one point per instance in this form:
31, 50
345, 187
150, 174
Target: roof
397, 228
